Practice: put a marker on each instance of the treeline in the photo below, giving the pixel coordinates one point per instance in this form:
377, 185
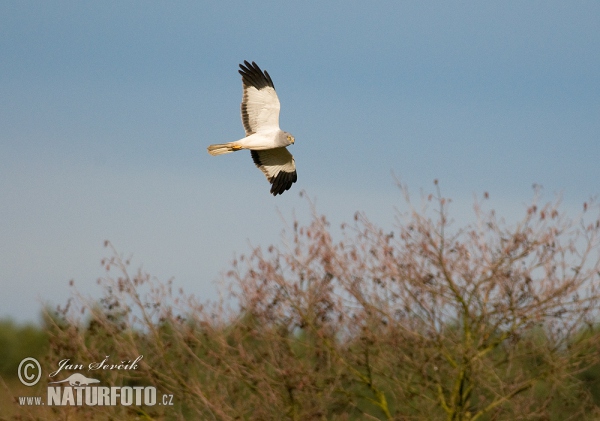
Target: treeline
246, 364
491, 321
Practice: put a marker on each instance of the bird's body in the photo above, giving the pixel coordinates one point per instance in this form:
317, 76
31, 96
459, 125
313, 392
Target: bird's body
256, 142
266, 141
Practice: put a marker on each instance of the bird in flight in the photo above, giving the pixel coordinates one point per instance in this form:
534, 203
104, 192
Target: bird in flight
266, 141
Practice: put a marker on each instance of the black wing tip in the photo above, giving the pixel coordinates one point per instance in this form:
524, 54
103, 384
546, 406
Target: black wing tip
252, 75
283, 182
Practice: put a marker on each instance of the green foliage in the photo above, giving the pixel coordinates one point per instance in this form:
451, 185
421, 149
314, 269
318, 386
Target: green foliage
18, 342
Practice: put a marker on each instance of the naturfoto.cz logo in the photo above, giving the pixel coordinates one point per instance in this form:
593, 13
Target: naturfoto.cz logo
78, 389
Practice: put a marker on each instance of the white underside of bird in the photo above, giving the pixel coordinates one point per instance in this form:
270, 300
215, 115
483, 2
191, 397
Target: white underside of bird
257, 142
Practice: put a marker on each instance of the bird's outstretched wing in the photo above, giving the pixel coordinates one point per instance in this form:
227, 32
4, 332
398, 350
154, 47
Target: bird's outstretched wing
260, 105
279, 167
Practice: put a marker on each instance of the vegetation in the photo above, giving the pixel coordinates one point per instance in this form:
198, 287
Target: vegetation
18, 342
492, 321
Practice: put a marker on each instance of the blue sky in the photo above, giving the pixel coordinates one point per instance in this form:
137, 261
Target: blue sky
106, 110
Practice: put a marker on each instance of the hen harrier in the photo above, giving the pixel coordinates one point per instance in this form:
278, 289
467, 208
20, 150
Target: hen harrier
266, 141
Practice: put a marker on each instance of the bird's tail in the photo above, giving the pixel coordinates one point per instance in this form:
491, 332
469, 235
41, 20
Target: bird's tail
221, 148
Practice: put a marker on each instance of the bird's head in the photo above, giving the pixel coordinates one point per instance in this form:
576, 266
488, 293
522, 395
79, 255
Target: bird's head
290, 138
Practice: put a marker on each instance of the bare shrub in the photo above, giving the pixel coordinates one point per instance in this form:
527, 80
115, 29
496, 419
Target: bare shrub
487, 322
